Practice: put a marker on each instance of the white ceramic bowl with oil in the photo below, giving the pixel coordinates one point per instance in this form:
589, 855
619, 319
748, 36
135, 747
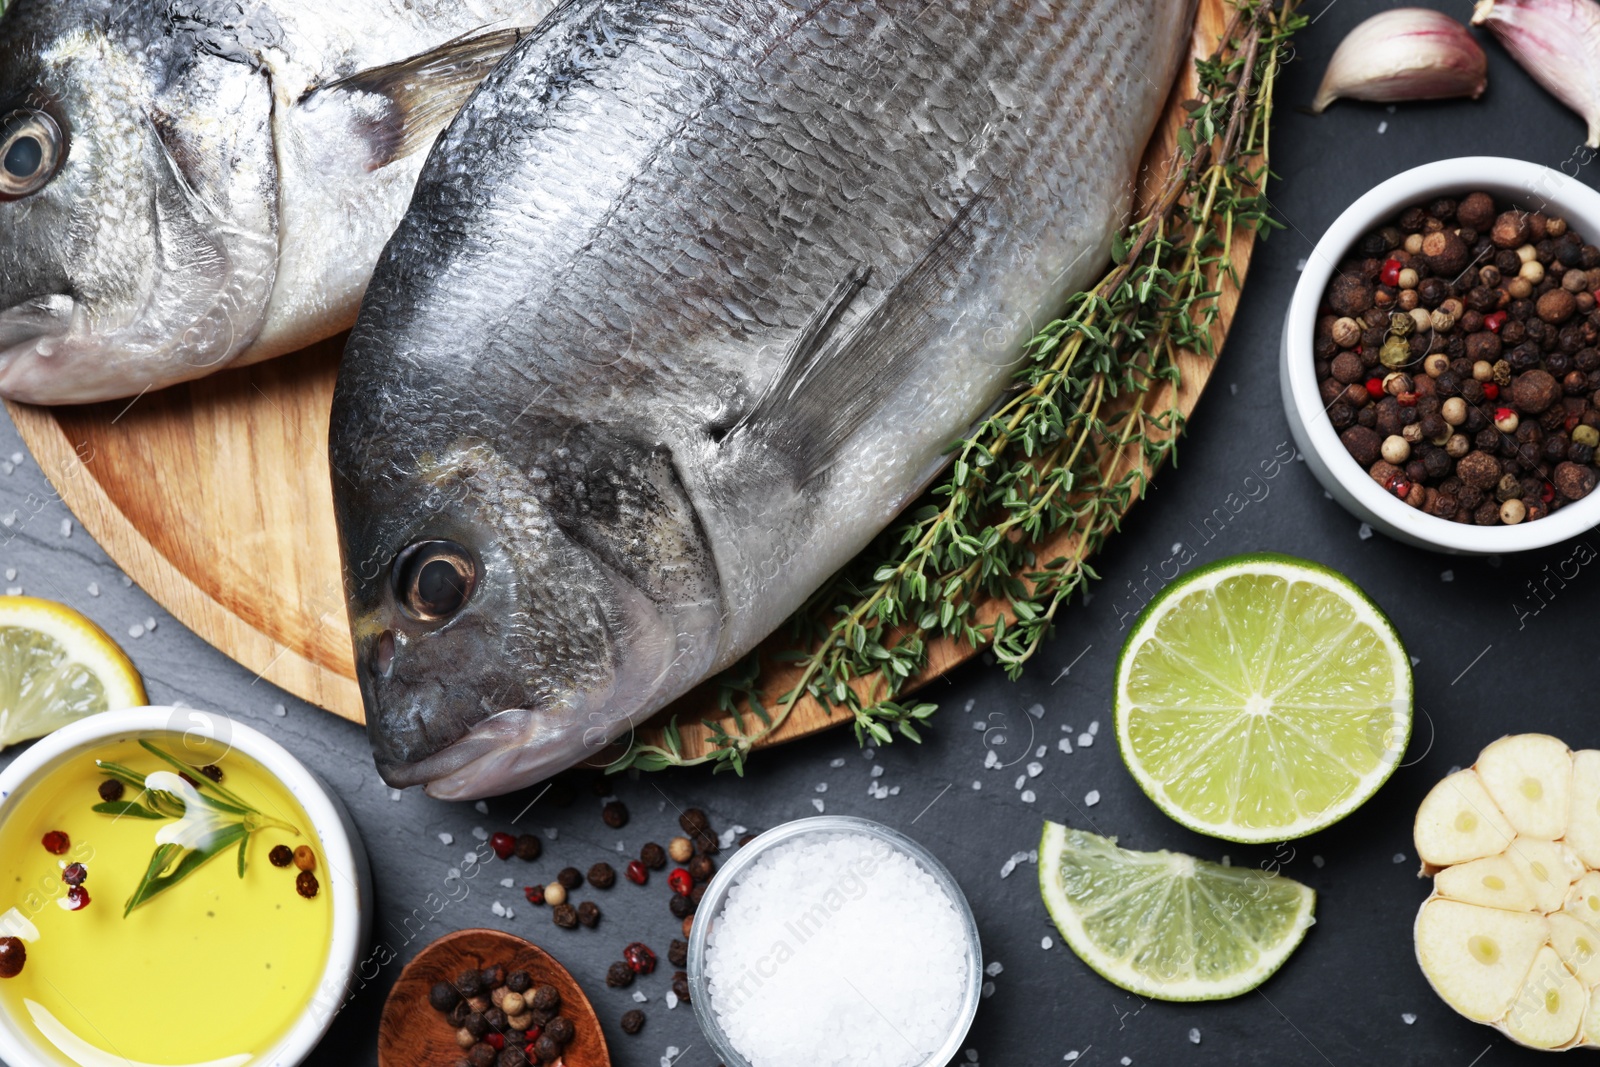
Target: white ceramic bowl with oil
716, 896
1510, 181
342, 857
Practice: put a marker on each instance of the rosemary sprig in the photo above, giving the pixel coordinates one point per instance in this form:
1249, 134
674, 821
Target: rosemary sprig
211, 819
1093, 413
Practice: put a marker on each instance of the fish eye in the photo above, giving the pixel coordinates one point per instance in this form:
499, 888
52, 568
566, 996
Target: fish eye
31, 151
434, 579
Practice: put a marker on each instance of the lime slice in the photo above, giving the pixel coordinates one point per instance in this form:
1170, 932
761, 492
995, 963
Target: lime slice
1262, 698
1165, 925
57, 666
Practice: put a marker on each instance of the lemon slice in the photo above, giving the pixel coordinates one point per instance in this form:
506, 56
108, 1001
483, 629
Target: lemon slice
1165, 925
1262, 698
57, 666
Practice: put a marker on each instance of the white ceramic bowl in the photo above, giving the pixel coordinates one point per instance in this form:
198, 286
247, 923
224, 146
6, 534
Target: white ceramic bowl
728, 876
342, 855
1525, 185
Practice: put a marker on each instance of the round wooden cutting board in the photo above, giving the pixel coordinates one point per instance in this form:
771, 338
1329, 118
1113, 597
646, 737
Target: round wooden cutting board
215, 495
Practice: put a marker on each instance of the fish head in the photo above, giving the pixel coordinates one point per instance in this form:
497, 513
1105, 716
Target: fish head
515, 616
137, 186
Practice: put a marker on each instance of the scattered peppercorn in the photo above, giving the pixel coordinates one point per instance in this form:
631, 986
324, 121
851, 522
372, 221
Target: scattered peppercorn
569, 877
212, 771
281, 856
77, 898
74, 874
637, 872
589, 914
480, 1055
56, 842
546, 998
547, 1048
1456, 348
688, 925
681, 906
470, 984
565, 916
512, 1056
528, 848
681, 849
305, 883
111, 790
653, 856
615, 814
519, 981
602, 875
503, 844
555, 894
680, 985
678, 953
701, 868
443, 996
694, 822
534, 893
632, 1021
681, 882
639, 957
13, 956
304, 858
619, 975
561, 1029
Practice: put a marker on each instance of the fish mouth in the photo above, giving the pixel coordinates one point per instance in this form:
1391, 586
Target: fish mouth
37, 319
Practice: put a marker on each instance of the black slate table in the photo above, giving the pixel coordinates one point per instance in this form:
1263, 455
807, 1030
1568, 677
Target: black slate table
1491, 659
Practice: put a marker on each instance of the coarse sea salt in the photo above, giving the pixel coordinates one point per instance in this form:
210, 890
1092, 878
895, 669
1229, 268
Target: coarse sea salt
806, 924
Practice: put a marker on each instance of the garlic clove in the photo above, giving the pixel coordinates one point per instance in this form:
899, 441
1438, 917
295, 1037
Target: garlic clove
1408, 53
1556, 41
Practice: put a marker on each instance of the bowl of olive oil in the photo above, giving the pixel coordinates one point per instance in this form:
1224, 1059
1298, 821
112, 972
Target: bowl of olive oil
178, 891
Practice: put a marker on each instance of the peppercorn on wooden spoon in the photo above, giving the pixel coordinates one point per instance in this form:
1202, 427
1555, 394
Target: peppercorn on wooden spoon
414, 1033
1511, 933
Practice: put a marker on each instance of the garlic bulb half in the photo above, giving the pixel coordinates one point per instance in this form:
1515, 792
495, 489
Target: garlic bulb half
1408, 53
1558, 42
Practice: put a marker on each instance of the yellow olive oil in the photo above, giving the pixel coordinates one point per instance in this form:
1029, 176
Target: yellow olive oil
214, 968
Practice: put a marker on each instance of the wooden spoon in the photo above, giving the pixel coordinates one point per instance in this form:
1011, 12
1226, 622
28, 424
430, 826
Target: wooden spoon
413, 1034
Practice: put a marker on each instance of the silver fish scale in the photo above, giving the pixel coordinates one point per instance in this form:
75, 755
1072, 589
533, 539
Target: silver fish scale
624, 234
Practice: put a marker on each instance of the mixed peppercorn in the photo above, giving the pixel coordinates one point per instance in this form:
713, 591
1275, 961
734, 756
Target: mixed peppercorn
1456, 355
503, 1019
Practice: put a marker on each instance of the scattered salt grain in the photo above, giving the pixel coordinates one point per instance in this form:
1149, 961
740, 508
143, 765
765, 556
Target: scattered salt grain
1085, 740
149, 625
480, 833
1094, 727
508, 883
970, 704
395, 795
837, 761
894, 791
498, 909
127, 582
672, 1000
869, 753
1022, 780
640, 997
66, 527
976, 785
787, 936
1035, 769
1194, 1035
1399, 857
1126, 1060
279, 710
980, 726
1046, 944
1092, 797
1036, 710
11, 574
94, 588
995, 969
481, 807
136, 630
1383, 127
988, 990
1447, 576
1039, 752
1317, 862
551, 832
816, 802
1065, 745
1011, 864
16, 459
734, 832
990, 760
877, 770
672, 1054
1364, 532
447, 839
1069, 1057
14, 590
1028, 796
453, 874
1407, 1018
470, 858
822, 787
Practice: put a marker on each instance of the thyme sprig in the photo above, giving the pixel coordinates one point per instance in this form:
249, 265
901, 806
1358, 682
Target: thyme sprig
211, 820
1094, 411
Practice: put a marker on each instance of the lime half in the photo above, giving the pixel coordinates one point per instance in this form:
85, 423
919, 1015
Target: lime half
1165, 925
1262, 698
57, 666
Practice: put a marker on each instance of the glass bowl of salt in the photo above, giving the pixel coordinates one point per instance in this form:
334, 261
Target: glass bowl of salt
833, 942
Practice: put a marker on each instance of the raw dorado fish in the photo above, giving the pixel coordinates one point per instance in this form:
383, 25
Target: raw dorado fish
690, 301
193, 184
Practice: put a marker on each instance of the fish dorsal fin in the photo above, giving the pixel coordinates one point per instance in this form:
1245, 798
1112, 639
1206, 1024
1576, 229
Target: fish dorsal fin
422, 93
831, 383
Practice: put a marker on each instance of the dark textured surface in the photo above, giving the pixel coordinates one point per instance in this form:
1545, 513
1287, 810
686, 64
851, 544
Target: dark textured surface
1344, 996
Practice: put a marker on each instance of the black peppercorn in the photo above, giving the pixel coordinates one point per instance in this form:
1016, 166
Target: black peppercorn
632, 1021
564, 916
701, 868
569, 877
619, 975
680, 986
482, 1056
212, 771
496, 1020
680, 906
512, 1056
589, 914
443, 997
494, 976
678, 953
546, 1048
459, 1013
281, 856
111, 790
470, 984
546, 998
602, 876
654, 856
528, 848
519, 981
476, 1024
694, 822
561, 1029
615, 814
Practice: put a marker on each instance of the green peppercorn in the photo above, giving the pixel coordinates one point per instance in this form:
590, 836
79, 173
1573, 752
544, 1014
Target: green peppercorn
1395, 352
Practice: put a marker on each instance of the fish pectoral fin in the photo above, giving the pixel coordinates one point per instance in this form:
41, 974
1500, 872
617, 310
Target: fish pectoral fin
423, 93
830, 382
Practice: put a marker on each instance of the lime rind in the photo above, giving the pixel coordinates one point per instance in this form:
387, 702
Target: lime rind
1197, 682
1165, 925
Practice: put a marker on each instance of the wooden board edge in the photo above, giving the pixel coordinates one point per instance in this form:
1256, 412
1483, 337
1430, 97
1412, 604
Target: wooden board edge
279, 664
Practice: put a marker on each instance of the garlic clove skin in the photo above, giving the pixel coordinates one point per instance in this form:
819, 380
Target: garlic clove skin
1408, 53
1556, 41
